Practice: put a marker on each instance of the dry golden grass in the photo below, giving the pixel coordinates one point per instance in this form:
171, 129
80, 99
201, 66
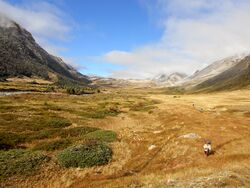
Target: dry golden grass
25, 84
173, 161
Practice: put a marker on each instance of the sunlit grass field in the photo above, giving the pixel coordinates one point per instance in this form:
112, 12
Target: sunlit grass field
126, 137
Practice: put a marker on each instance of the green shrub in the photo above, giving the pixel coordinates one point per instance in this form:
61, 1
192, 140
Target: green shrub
87, 155
53, 145
20, 162
34, 82
78, 90
102, 135
50, 88
75, 90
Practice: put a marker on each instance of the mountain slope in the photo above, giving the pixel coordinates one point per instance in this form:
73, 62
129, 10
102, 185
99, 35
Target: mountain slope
235, 77
213, 70
20, 55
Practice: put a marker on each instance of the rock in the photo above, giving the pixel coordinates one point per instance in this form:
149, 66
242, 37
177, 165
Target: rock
170, 180
157, 132
176, 127
151, 147
190, 135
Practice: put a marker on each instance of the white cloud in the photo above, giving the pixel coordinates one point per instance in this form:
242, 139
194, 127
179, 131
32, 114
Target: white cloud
196, 33
45, 21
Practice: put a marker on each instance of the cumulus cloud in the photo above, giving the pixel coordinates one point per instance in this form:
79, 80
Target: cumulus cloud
196, 33
44, 20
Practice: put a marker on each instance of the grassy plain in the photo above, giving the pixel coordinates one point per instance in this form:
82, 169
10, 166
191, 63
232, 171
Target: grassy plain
143, 127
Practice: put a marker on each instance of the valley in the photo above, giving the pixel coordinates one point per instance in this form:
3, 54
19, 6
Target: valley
130, 118
158, 140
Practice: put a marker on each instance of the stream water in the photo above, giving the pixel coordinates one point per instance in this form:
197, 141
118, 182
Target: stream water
7, 93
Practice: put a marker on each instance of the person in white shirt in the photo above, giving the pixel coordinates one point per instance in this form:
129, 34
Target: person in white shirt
207, 148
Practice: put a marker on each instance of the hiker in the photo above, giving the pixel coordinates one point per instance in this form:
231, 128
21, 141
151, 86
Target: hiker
207, 147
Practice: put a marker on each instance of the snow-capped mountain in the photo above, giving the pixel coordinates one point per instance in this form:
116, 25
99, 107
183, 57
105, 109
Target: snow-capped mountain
169, 79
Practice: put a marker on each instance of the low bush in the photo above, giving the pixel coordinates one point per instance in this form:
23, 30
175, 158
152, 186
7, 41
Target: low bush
34, 82
53, 145
50, 88
76, 90
20, 162
102, 135
85, 155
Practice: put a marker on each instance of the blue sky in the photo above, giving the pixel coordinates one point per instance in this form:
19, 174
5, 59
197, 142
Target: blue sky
105, 26
100, 26
136, 38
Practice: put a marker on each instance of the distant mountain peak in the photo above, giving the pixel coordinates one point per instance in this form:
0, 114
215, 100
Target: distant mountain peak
171, 79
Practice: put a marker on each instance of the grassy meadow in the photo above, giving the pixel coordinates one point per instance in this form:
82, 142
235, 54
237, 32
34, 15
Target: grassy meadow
126, 137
